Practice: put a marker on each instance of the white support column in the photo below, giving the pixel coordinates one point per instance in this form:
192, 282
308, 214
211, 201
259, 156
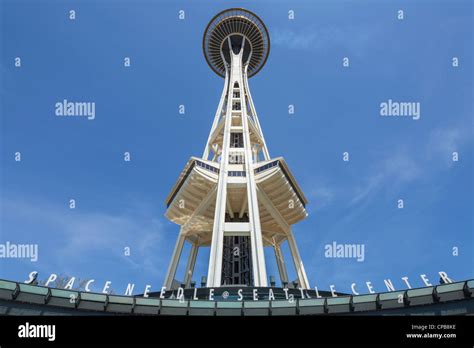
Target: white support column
266, 154
267, 203
191, 263
258, 255
173, 266
200, 209
302, 278
242, 208
280, 263
229, 207
205, 155
214, 273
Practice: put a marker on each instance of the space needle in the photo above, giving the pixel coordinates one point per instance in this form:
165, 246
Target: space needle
235, 198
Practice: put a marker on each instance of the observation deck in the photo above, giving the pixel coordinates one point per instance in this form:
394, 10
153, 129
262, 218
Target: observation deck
236, 24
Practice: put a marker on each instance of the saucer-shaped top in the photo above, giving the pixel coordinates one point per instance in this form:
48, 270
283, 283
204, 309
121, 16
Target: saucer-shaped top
242, 27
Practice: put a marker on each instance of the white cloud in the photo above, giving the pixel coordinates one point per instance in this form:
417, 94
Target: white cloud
351, 38
392, 172
71, 236
319, 197
444, 141
404, 167
291, 39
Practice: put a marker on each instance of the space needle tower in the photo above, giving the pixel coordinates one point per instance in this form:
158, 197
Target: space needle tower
236, 199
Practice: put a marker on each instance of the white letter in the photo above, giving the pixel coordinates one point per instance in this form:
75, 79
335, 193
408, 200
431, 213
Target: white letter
59, 109
291, 109
445, 278
70, 283
106, 286
405, 279
180, 294
369, 286
302, 293
162, 292
400, 14
425, 280
389, 285
271, 296
211, 294
87, 285
129, 290
52, 333
241, 297
51, 279
31, 277
317, 292
21, 330
327, 250
353, 289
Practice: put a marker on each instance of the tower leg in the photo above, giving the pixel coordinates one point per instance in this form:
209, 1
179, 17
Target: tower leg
256, 242
214, 275
281, 264
302, 278
217, 243
191, 263
258, 256
173, 266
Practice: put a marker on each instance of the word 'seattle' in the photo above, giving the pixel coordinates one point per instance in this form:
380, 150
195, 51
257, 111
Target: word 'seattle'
236, 198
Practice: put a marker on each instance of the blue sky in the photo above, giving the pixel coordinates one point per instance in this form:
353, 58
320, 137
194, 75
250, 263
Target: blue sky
121, 204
